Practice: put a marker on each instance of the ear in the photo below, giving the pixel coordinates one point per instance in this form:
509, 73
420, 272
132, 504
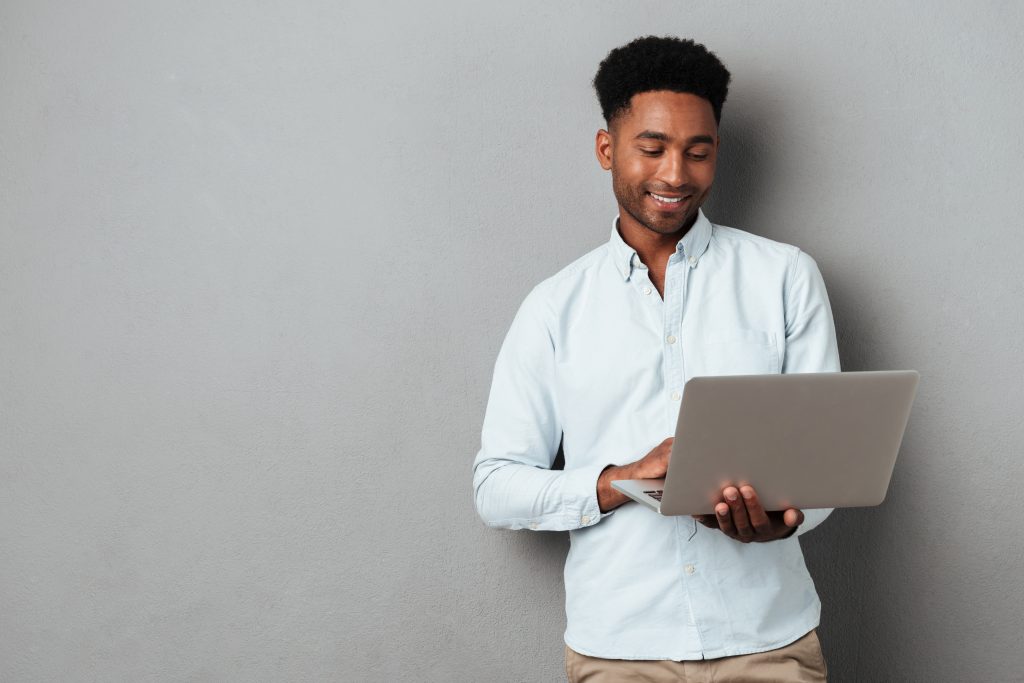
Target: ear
603, 149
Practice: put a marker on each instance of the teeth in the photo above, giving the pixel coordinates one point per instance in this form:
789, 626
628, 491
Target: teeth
667, 200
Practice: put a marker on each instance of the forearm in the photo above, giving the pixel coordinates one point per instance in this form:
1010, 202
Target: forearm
512, 495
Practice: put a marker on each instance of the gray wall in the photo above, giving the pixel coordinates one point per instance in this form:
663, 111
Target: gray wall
256, 261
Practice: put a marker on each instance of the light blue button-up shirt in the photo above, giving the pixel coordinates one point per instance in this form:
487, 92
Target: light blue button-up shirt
595, 359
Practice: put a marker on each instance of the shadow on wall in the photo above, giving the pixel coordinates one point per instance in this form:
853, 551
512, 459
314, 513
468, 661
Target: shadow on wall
842, 560
745, 171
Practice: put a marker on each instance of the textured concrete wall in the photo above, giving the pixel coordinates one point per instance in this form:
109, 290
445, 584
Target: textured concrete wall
256, 260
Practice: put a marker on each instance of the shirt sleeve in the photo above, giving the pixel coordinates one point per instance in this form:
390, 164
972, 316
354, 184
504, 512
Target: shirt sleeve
513, 483
810, 338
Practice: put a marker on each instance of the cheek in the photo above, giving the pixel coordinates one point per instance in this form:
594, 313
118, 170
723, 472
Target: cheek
705, 171
640, 171
704, 176
629, 175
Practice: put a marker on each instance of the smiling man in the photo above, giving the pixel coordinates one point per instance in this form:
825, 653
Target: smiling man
596, 360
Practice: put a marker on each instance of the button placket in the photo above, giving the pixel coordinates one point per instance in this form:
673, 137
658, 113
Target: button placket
672, 321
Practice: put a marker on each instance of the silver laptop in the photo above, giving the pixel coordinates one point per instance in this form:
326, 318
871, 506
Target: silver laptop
815, 440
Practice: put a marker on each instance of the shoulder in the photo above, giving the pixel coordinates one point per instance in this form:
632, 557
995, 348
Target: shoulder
726, 238
555, 291
583, 267
733, 242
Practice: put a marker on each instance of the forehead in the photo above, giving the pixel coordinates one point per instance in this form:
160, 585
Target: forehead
676, 114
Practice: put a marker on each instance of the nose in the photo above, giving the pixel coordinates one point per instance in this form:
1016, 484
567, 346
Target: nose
672, 170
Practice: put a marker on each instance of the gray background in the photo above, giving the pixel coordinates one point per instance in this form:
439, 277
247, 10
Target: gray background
257, 259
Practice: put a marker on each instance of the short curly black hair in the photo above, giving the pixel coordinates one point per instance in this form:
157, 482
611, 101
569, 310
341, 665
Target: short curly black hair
660, 63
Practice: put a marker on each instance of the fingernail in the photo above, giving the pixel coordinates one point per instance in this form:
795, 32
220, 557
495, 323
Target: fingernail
747, 493
730, 494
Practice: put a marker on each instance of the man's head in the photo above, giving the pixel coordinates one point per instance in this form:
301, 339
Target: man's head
662, 99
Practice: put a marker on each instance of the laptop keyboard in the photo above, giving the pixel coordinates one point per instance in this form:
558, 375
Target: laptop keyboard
656, 495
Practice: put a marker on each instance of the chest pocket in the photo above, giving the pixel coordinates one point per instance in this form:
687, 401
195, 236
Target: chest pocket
738, 352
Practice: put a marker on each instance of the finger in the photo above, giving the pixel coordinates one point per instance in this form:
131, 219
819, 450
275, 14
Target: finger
739, 512
725, 520
793, 517
755, 511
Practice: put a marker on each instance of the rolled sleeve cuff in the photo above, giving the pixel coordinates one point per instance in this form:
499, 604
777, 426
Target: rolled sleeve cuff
582, 509
577, 507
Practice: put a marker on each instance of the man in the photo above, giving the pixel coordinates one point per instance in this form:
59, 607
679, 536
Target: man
596, 359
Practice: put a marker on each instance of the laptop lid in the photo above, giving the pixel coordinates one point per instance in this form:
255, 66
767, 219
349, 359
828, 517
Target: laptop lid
810, 440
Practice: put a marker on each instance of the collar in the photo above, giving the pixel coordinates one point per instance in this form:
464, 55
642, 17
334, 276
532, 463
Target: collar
692, 246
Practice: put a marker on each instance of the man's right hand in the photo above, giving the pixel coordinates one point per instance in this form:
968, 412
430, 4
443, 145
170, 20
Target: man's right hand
654, 465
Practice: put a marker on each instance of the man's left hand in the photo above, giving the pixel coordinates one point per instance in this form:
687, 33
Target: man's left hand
741, 516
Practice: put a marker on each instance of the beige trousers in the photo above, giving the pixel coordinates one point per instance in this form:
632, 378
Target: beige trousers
797, 662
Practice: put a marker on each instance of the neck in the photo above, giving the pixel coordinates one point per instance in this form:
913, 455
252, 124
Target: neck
653, 248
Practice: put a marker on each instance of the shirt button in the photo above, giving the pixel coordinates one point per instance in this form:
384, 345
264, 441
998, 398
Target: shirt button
647, 290
693, 260
676, 396
690, 569
585, 519
534, 525
671, 339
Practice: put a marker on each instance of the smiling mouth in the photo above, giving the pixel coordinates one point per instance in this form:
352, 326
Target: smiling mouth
668, 201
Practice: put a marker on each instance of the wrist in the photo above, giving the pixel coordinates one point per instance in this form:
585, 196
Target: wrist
607, 497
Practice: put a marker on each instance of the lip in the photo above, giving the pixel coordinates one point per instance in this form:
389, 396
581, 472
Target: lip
666, 206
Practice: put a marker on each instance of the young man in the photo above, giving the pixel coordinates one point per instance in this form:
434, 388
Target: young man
596, 359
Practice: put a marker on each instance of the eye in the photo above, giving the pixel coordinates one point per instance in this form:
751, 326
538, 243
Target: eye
647, 151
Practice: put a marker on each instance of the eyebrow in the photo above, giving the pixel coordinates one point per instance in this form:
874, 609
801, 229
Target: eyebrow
655, 135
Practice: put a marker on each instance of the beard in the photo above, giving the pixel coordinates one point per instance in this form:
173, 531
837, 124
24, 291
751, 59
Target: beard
633, 200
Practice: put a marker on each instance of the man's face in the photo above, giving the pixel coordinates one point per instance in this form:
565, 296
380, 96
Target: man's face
662, 153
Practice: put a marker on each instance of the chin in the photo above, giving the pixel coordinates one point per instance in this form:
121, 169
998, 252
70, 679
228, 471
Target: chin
667, 228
